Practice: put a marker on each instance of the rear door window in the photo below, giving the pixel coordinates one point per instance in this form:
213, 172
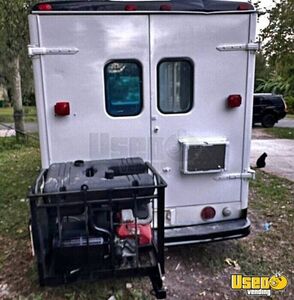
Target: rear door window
175, 85
123, 88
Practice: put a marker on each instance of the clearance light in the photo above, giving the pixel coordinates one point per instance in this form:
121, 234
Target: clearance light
44, 7
234, 101
165, 7
208, 213
245, 6
131, 7
62, 109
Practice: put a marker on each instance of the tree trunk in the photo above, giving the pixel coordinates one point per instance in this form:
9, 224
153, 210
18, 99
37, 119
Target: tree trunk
17, 98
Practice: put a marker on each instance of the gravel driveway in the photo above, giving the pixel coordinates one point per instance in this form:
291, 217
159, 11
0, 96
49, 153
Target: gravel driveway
287, 122
280, 160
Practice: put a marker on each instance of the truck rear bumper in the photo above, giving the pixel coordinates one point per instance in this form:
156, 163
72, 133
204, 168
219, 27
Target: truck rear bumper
207, 232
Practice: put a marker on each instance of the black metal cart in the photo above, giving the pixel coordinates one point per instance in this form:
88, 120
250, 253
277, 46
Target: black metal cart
70, 245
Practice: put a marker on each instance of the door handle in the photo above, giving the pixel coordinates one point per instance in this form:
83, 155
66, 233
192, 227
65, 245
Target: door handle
156, 129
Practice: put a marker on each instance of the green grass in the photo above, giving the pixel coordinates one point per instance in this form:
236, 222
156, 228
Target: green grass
19, 164
280, 133
270, 251
6, 114
262, 252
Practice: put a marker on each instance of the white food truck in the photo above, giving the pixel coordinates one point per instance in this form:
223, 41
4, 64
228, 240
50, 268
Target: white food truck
170, 82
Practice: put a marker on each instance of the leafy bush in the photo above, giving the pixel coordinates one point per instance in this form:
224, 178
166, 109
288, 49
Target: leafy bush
276, 84
290, 104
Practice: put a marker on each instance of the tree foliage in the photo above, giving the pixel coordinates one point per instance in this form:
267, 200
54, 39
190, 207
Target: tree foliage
13, 21
14, 38
13, 42
278, 50
279, 34
262, 70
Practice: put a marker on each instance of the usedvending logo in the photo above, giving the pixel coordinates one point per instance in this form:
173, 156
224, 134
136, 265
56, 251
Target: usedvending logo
258, 285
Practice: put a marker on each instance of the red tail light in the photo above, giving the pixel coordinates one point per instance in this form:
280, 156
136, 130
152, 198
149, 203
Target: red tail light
245, 6
44, 7
207, 213
131, 7
62, 109
234, 101
165, 7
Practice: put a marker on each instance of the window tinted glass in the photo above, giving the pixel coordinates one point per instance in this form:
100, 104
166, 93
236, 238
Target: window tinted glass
257, 100
123, 87
278, 100
175, 80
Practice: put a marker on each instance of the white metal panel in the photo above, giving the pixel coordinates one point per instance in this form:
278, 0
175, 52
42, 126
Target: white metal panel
89, 132
248, 112
39, 93
217, 75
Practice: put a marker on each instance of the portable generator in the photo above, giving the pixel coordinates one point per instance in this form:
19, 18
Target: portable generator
94, 219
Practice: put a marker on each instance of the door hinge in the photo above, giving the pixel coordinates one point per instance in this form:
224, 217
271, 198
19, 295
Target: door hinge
255, 46
250, 174
35, 50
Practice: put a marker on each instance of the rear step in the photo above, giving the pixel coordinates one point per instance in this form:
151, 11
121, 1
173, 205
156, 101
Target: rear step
207, 232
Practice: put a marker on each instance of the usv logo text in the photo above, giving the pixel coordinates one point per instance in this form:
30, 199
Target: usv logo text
258, 285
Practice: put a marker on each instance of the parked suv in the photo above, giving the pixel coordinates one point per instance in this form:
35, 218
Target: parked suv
268, 109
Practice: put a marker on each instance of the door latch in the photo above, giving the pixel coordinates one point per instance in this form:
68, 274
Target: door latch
250, 174
254, 46
35, 50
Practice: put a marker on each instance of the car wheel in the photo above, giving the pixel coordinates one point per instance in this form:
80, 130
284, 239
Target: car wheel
268, 120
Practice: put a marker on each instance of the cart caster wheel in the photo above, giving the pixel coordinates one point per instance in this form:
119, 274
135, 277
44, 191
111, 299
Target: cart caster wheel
160, 294
159, 291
